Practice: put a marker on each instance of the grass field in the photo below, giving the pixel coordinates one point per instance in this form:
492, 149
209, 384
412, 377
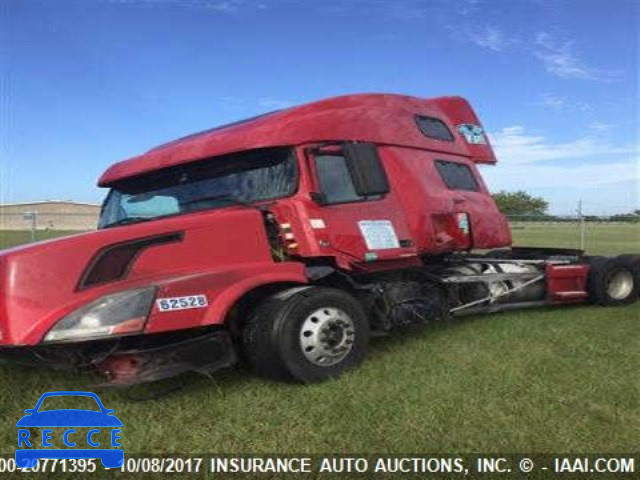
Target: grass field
599, 239
10, 238
550, 380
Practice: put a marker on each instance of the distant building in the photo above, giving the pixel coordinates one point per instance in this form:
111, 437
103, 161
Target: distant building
49, 215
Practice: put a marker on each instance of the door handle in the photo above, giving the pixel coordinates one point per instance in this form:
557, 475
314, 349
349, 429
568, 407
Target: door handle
459, 199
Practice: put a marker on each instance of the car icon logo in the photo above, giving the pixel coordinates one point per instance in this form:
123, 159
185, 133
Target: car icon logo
65, 425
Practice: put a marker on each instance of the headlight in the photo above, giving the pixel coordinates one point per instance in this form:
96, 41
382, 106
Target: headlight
124, 312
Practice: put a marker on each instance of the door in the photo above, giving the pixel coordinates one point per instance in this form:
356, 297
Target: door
360, 227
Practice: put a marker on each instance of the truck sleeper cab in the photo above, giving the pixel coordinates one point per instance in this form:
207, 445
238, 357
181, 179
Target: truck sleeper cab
285, 240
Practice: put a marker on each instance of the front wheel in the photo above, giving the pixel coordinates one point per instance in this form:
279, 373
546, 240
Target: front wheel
306, 334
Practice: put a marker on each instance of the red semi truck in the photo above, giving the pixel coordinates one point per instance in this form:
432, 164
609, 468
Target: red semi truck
286, 240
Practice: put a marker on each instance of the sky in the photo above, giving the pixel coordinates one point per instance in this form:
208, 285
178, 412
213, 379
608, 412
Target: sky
86, 83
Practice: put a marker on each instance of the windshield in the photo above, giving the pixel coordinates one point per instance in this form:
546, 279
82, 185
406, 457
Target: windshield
239, 178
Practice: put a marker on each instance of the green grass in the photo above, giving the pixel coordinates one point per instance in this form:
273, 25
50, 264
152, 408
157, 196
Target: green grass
11, 238
550, 380
599, 239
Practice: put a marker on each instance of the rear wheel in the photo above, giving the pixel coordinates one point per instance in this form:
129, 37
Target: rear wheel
634, 261
631, 257
306, 334
613, 281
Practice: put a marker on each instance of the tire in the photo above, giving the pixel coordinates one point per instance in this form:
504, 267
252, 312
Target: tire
306, 334
632, 258
634, 261
612, 281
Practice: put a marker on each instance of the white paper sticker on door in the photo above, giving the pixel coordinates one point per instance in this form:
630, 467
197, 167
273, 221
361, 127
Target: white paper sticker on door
378, 234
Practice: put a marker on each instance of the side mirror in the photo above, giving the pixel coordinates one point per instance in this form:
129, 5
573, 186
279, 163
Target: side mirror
366, 169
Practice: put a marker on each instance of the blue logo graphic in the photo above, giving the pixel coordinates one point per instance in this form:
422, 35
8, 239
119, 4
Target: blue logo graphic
65, 421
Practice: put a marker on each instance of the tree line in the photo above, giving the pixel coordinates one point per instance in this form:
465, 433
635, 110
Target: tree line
527, 207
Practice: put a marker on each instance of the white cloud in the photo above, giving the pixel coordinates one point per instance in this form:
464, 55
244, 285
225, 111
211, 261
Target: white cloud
530, 162
514, 146
551, 101
491, 38
557, 103
601, 127
559, 59
583, 106
225, 7
527, 177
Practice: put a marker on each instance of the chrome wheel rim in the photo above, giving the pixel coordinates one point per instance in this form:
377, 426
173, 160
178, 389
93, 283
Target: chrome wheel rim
620, 284
327, 336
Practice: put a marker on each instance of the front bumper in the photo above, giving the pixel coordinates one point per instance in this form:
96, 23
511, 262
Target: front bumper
134, 360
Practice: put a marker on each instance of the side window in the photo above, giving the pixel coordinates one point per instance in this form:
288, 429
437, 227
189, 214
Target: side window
335, 180
457, 176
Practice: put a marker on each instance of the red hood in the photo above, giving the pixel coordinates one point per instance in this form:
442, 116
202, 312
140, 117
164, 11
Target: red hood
39, 282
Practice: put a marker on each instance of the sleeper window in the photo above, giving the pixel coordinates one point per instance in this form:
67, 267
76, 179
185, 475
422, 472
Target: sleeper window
434, 128
457, 176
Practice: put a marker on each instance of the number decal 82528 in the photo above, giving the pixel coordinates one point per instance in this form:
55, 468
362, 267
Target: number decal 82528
182, 303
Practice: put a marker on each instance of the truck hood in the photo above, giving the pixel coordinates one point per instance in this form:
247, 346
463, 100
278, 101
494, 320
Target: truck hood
43, 282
